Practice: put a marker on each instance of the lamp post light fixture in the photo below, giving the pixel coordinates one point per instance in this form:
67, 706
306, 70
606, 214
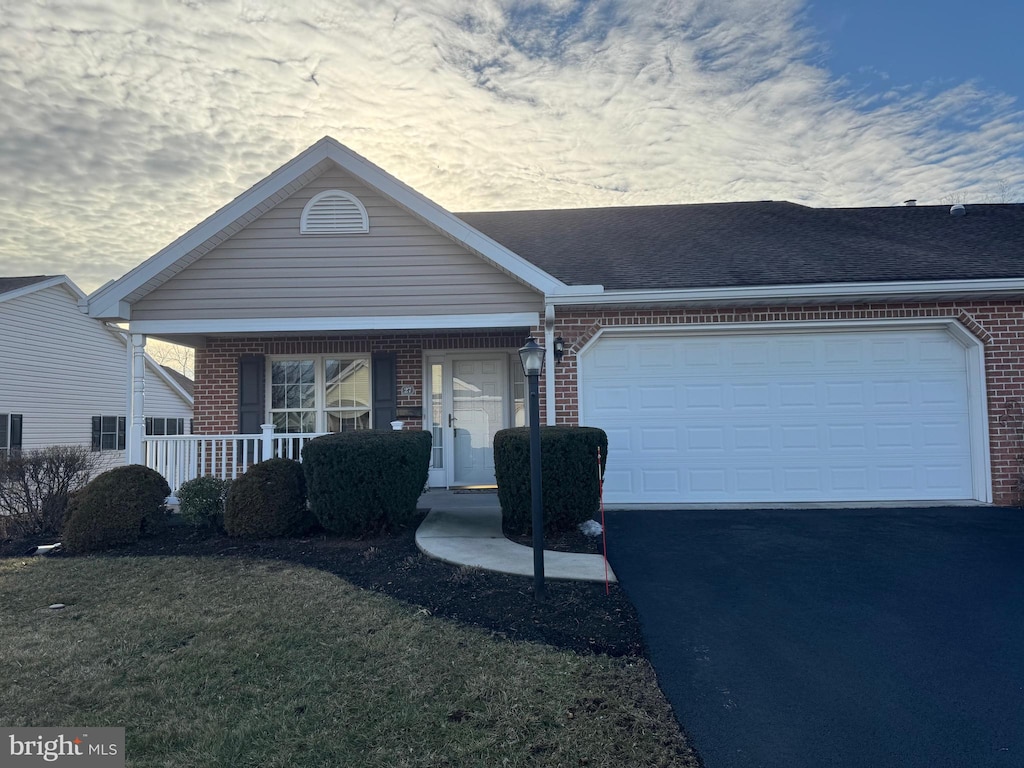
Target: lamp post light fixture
532, 356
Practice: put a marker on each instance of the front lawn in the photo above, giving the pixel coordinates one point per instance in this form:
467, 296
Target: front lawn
239, 661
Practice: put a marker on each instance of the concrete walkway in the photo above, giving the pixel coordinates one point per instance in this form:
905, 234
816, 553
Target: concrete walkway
465, 529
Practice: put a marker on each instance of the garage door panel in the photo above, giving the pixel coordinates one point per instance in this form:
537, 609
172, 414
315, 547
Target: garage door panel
749, 438
660, 481
751, 396
704, 438
707, 397
659, 439
945, 391
656, 398
783, 417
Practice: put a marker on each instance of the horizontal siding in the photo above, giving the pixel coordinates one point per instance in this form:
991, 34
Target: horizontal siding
401, 267
59, 368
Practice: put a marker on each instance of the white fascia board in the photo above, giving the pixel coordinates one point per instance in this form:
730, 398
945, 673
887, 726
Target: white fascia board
340, 324
62, 280
107, 301
576, 290
449, 224
823, 291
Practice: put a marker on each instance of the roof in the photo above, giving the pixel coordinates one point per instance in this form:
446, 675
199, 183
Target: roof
761, 244
14, 283
183, 381
15, 287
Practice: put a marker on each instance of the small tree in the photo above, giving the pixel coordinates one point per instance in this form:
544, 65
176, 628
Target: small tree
35, 486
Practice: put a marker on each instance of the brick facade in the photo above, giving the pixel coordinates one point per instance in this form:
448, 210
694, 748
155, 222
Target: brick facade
216, 365
998, 324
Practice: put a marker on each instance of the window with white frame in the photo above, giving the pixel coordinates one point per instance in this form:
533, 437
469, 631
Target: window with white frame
319, 393
108, 433
157, 426
10, 434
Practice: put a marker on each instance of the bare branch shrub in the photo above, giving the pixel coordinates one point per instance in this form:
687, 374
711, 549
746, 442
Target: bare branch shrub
35, 487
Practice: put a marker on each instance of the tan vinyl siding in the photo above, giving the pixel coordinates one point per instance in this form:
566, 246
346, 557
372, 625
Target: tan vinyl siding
60, 368
401, 267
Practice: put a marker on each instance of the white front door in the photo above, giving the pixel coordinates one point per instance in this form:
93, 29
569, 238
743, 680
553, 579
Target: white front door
479, 403
469, 398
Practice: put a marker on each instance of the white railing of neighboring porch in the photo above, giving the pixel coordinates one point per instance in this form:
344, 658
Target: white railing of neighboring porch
185, 457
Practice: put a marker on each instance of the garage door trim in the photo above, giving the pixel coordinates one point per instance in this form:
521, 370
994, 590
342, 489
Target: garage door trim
981, 472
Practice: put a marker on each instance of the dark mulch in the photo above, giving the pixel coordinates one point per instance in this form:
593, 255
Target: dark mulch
578, 616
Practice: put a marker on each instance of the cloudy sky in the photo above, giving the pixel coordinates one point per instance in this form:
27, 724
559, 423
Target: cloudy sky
123, 124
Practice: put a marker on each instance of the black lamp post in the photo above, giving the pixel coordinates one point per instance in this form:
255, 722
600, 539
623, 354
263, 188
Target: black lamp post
532, 355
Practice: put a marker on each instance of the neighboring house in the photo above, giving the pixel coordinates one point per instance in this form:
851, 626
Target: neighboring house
63, 376
739, 352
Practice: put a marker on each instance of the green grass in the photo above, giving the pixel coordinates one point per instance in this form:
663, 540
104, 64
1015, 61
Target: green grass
251, 663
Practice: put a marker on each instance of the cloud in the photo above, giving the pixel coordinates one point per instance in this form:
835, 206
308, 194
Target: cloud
127, 123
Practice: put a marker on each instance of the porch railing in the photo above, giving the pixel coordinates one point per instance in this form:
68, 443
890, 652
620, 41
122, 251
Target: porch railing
180, 458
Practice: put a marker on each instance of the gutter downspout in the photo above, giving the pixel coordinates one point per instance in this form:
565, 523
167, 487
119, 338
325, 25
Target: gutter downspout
549, 362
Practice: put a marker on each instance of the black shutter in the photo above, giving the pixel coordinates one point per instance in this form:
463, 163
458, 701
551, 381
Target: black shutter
120, 432
251, 401
97, 432
149, 425
15, 432
384, 376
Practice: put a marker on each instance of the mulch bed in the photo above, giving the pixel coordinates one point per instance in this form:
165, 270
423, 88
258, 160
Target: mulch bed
577, 616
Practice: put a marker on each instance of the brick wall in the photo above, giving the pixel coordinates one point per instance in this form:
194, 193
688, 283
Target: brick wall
216, 365
998, 324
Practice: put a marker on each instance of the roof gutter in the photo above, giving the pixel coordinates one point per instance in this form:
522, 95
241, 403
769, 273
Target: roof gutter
790, 293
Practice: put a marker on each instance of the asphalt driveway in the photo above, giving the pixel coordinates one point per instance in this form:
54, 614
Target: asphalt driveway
818, 638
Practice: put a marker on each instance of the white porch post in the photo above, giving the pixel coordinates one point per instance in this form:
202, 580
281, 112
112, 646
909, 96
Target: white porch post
549, 363
267, 442
137, 428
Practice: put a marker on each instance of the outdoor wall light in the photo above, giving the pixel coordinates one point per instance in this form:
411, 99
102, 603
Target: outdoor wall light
559, 348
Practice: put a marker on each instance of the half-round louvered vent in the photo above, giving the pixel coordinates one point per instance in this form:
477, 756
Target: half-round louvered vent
334, 212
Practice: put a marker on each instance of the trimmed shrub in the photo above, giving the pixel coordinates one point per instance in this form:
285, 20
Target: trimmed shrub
268, 500
569, 476
35, 487
366, 481
116, 508
201, 501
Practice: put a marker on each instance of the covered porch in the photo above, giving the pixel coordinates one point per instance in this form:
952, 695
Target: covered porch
265, 396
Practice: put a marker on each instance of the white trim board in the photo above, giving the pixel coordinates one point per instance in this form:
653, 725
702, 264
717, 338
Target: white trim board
339, 324
831, 292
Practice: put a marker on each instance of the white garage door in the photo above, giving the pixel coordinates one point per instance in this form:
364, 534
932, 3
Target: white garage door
781, 417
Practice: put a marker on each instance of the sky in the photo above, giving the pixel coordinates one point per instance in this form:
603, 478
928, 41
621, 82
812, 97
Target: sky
123, 124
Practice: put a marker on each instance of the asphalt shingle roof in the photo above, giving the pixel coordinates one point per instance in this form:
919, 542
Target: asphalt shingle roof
14, 283
183, 381
763, 243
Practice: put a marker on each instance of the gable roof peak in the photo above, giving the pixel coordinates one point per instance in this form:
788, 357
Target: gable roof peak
113, 300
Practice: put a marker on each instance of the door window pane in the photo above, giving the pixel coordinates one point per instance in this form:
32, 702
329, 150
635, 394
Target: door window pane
437, 416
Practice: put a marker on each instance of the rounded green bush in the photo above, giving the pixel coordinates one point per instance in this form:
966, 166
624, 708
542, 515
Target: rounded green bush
201, 501
268, 500
115, 508
366, 481
570, 477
